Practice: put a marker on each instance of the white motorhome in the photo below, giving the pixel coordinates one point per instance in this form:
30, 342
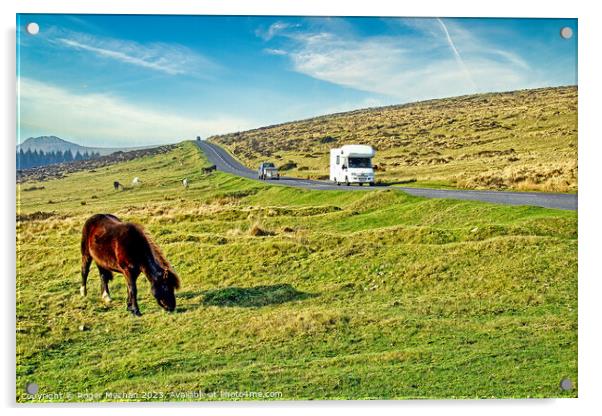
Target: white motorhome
352, 163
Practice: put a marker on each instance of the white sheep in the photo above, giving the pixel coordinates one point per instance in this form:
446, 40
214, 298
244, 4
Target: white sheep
185, 183
136, 181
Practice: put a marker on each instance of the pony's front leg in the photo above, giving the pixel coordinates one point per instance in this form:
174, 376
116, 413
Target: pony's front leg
132, 294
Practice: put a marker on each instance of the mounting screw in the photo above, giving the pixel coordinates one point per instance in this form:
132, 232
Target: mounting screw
32, 388
32, 28
566, 384
566, 32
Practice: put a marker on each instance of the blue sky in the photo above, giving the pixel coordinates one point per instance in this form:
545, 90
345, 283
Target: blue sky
108, 80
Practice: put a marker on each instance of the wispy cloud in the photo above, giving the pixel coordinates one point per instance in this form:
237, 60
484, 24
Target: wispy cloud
167, 58
428, 59
274, 29
105, 120
272, 51
456, 53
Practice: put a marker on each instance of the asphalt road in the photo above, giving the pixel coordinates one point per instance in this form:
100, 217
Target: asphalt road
226, 163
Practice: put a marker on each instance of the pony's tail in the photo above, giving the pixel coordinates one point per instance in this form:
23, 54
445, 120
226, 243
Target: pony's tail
85, 233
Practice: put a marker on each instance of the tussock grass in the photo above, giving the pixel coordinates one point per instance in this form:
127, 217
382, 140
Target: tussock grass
257, 231
355, 295
521, 140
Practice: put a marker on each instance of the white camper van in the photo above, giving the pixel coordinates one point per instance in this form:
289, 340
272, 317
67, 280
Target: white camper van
352, 163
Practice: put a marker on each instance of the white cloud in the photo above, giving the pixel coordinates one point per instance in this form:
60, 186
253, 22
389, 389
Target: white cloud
105, 120
171, 59
273, 30
433, 59
516, 60
457, 54
271, 51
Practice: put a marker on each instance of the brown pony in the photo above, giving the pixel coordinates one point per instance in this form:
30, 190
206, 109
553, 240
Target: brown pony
125, 248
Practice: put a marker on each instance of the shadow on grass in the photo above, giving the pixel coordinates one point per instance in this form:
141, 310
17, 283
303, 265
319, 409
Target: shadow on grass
254, 297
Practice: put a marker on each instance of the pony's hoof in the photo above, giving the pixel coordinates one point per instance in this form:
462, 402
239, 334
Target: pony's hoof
83, 291
135, 312
106, 298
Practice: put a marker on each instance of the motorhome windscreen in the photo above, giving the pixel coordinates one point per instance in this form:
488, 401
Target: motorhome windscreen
360, 162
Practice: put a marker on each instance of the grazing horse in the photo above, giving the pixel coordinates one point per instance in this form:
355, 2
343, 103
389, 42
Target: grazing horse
209, 169
125, 248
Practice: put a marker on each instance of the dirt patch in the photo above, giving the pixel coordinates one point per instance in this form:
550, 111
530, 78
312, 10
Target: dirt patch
36, 216
494, 153
33, 188
256, 231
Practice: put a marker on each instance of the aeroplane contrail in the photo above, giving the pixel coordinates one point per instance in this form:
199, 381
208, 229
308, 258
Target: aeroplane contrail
457, 54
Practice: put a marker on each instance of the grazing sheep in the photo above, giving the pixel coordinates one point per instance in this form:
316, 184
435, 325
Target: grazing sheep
185, 183
136, 181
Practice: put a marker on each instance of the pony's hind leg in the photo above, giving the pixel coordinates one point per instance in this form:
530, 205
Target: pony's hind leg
86, 261
105, 277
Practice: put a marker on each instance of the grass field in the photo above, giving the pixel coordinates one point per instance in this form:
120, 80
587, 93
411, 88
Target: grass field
309, 294
523, 140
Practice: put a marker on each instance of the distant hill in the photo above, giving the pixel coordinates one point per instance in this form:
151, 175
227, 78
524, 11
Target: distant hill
522, 140
48, 144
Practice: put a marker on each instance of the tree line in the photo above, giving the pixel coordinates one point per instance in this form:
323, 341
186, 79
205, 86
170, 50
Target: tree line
31, 159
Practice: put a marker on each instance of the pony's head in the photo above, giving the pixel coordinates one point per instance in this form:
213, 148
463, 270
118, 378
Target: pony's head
163, 289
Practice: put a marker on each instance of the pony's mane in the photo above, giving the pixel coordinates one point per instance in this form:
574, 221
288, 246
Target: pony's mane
157, 253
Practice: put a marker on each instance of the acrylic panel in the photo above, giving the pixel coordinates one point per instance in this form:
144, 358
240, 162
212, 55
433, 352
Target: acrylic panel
295, 208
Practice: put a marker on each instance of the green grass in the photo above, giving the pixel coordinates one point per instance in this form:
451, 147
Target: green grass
351, 295
520, 140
